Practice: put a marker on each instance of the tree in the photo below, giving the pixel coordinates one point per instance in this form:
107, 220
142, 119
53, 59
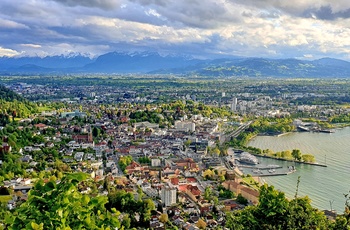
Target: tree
275, 211
95, 131
208, 174
207, 193
296, 154
216, 151
242, 200
62, 206
308, 158
163, 218
201, 224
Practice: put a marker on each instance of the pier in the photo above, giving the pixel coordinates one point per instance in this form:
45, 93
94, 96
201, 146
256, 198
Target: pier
297, 162
263, 167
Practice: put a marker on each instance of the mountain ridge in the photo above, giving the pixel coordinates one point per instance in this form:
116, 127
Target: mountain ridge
153, 63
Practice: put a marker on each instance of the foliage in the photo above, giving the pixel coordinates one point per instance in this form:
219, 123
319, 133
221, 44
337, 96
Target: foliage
201, 224
125, 202
163, 218
241, 200
144, 160
275, 211
208, 174
296, 154
308, 158
12, 104
124, 161
225, 193
63, 206
272, 125
208, 193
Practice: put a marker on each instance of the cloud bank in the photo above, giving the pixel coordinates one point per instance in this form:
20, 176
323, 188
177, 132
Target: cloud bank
202, 28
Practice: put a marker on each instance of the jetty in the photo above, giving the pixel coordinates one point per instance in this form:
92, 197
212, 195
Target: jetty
293, 161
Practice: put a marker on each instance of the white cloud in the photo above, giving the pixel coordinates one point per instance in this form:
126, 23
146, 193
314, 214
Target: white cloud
31, 45
274, 28
8, 52
11, 24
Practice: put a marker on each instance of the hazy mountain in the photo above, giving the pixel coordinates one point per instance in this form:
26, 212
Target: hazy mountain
256, 67
53, 62
116, 62
151, 62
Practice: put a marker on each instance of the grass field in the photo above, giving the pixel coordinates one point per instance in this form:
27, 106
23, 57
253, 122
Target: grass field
44, 108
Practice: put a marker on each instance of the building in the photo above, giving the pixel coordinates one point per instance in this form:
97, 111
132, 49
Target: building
234, 104
144, 125
70, 115
155, 162
168, 196
185, 126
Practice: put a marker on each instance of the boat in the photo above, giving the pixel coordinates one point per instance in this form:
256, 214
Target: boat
256, 171
303, 128
291, 168
273, 166
272, 170
327, 131
248, 158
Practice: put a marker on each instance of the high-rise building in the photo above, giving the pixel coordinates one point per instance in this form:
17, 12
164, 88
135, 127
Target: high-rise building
168, 196
234, 104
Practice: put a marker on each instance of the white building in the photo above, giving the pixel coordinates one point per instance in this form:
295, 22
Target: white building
185, 126
234, 104
168, 196
155, 162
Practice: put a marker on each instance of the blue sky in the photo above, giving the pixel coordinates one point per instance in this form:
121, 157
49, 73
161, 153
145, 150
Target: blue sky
305, 29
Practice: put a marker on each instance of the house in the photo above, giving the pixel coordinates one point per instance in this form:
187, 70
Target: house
5, 148
249, 193
83, 138
132, 167
41, 126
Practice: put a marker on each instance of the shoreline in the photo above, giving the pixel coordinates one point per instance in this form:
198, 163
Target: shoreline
288, 160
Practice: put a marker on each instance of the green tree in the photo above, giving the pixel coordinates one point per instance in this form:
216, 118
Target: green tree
207, 193
308, 158
164, 218
242, 200
62, 206
275, 211
296, 154
95, 132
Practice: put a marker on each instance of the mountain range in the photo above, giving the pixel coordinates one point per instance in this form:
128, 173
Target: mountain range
154, 63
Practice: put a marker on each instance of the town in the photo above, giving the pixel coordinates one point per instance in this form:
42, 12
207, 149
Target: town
172, 145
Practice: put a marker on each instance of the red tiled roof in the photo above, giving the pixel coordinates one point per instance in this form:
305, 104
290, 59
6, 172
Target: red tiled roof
174, 181
191, 180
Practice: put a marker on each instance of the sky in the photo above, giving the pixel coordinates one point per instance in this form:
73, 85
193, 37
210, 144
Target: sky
303, 29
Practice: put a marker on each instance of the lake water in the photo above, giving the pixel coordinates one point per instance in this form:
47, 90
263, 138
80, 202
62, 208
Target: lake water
325, 186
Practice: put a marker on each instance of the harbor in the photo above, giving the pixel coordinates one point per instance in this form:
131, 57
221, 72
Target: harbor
266, 170
249, 164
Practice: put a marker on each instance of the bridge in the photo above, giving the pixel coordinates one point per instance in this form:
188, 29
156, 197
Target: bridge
235, 133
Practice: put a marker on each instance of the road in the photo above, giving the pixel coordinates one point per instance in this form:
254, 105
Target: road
235, 133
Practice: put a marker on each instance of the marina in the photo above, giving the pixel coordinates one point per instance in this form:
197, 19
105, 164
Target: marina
266, 170
249, 164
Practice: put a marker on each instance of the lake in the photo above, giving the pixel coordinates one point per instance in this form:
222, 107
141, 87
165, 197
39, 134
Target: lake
325, 186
